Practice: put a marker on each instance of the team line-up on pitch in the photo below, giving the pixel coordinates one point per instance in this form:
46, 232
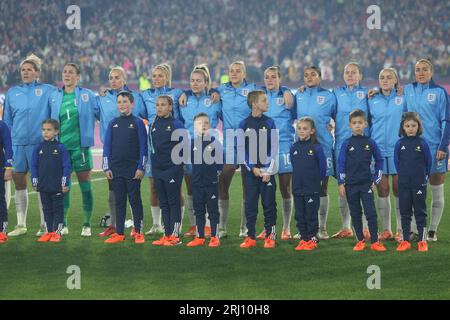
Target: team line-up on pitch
362, 137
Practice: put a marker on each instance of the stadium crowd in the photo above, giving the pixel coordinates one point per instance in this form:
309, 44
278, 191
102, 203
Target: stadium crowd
290, 33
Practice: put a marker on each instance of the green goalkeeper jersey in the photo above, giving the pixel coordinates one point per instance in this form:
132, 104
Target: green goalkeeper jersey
69, 125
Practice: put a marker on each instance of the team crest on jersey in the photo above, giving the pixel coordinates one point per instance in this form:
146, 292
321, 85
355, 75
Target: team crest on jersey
320, 99
55, 151
168, 128
280, 101
38, 92
207, 102
85, 97
41, 152
360, 95
418, 149
245, 92
131, 126
431, 97
264, 128
310, 153
367, 147
398, 101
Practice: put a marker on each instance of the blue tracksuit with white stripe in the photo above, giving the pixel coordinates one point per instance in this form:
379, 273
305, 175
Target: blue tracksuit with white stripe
26, 107
263, 127
167, 175
205, 181
195, 105
125, 152
354, 171
149, 97
309, 169
413, 161
432, 103
347, 100
6, 163
319, 104
50, 172
284, 118
385, 115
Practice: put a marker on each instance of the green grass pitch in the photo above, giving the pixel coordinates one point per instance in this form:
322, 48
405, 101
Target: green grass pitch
31, 270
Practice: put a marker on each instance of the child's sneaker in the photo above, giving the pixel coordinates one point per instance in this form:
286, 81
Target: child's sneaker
56, 237
262, 235
139, 238
404, 245
196, 242
160, 241
422, 246
360, 246
302, 245
109, 231
191, 232
311, 245
269, 243
115, 238
386, 235
45, 237
172, 241
377, 246
214, 242
248, 243
286, 235
3, 237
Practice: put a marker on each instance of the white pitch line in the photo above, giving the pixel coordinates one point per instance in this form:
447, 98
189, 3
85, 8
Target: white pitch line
74, 184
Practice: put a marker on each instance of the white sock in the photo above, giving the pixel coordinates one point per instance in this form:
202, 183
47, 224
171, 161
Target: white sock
414, 224
8, 193
323, 212
182, 217
384, 210
156, 215
190, 209
223, 209
397, 215
21, 207
112, 208
345, 213
287, 213
41, 210
437, 206
243, 217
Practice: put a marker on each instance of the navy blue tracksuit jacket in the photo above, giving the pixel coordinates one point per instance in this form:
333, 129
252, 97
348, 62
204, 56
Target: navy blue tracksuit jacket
354, 170
6, 161
124, 152
205, 181
413, 161
309, 168
258, 136
50, 172
167, 175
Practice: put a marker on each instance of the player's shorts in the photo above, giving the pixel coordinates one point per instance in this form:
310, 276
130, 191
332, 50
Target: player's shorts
284, 159
148, 166
330, 162
230, 154
81, 159
440, 166
22, 157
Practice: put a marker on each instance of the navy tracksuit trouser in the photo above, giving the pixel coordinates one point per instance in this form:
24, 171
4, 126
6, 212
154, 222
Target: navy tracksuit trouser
205, 199
255, 187
307, 215
413, 199
53, 207
130, 188
357, 193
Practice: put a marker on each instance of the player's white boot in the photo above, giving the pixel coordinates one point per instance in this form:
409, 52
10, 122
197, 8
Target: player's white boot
323, 235
18, 231
41, 231
86, 232
243, 232
64, 231
155, 229
223, 233
297, 236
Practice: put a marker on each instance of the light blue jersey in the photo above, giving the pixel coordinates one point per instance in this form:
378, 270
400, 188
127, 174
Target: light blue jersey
346, 101
151, 95
26, 107
106, 109
319, 104
431, 102
196, 105
284, 118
